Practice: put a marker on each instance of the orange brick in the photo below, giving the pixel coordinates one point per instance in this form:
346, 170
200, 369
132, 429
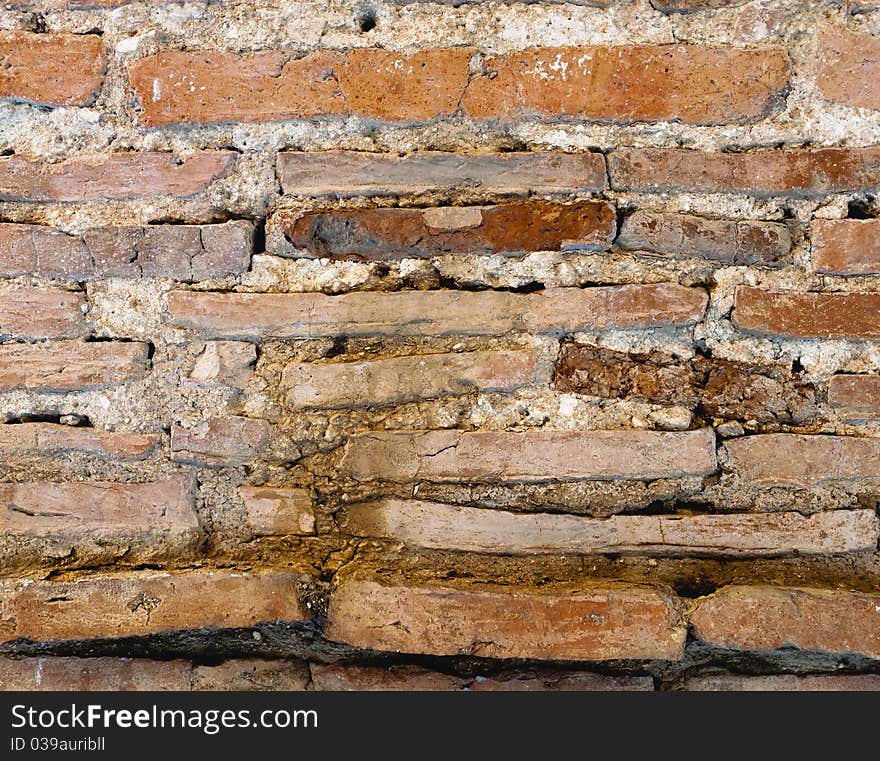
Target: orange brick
849, 67
846, 246
55, 69
51, 439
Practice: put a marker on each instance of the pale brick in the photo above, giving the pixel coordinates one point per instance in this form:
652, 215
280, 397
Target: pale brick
855, 397
220, 441
51, 439
65, 674
785, 683
225, 363
274, 511
33, 312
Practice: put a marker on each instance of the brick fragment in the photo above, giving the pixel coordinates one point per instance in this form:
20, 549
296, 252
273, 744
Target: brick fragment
846, 246
808, 315
122, 606
72, 365
273, 511
562, 624
469, 529
450, 455
251, 675
730, 241
225, 363
348, 173
803, 460
785, 683
64, 674
183, 252
35, 312
51, 439
768, 618
849, 67
724, 389
797, 172
404, 379
220, 441
54, 69
855, 397
637, 83
380, 234
112, 176
307, 315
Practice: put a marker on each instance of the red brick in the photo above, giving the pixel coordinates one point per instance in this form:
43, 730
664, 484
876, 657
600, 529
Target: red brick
182, 252
273, 511
112, 176
723, 388
450, 455
736, 242
769, 618
404, 379
550, 624
470, 529
347, 173
220, 441
251, 675
55, 69
846, 246
849, 67
855, 397
406, 678
51, 439
307, 315
54, 673
162, 510
378, 234
791, 459
146, 603
798, 172
808, 315
32, 312
202, 87
72, 365
638, 83
785, 683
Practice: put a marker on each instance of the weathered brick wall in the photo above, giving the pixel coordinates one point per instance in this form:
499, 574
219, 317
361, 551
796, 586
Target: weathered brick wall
478, 345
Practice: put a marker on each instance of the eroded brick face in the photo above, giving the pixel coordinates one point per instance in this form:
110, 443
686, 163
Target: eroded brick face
439, 346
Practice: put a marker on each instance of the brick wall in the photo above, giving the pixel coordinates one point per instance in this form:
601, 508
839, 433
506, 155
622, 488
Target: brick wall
466, 346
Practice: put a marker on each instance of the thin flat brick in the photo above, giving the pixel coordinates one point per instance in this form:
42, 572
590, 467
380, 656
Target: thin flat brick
52, 69
51, 439
348, 173
35, 312
72, 365
571, 624
404, 379
161, 510
251, 675
100, 607
638, 83
798, 172
442, 312
183, 252
63, 674
801, 460
347, 678
112, 176
849, 67
846, 246
220, 441
785, 683
723, 388
470, 529
449, 455
273, 511
225, 363
380, 234
855, 397
769, 618
730, 241
808, 315
202, 87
